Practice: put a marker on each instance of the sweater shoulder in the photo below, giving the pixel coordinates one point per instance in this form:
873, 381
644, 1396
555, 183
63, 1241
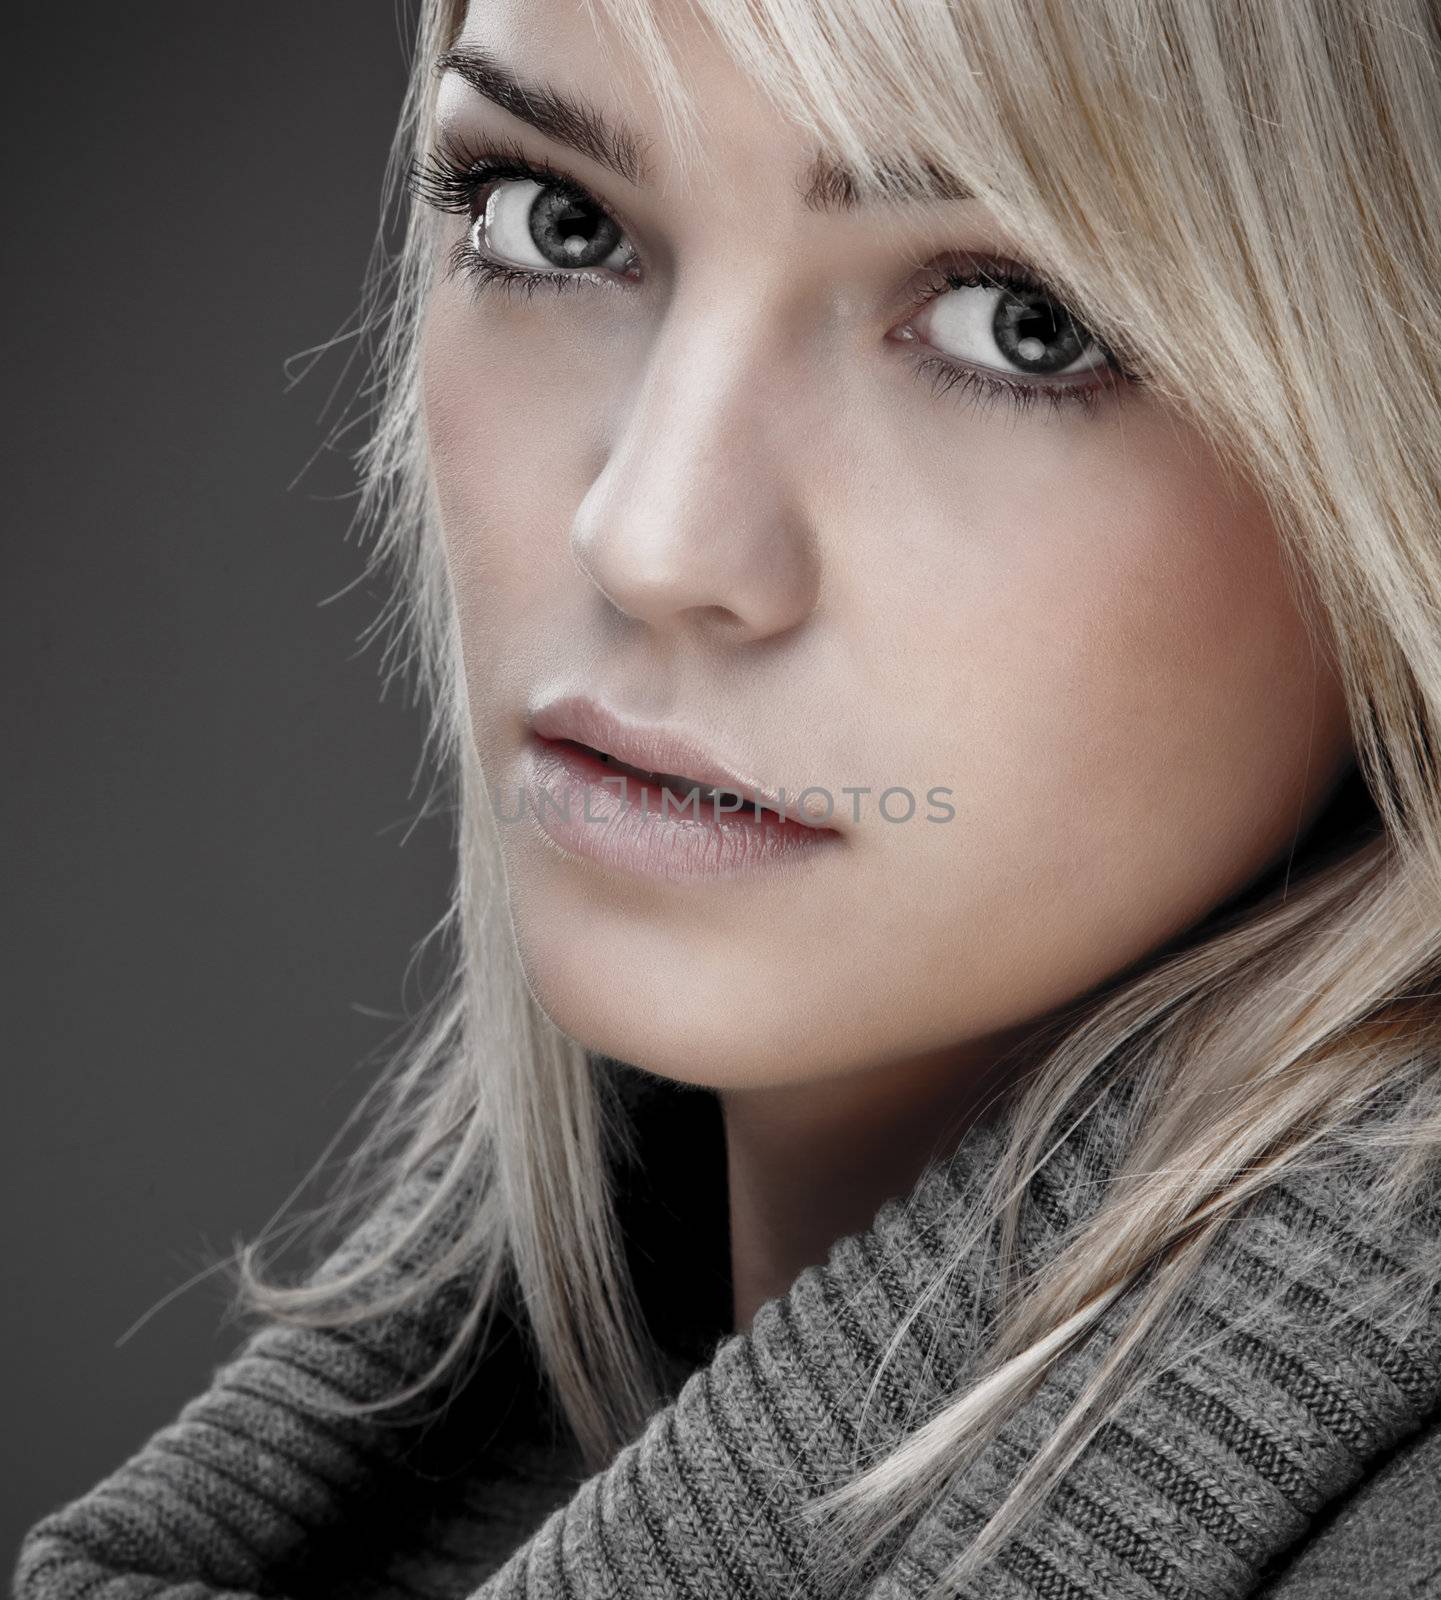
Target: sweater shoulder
268, 1474
1381, 1539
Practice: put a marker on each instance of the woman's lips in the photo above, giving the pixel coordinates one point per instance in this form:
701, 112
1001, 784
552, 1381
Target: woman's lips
677, 784
654, 752
627, 818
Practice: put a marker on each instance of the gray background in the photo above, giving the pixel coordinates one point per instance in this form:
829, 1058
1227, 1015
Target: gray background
212, 888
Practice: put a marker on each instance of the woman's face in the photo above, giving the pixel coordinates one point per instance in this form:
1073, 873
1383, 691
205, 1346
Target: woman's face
712, 485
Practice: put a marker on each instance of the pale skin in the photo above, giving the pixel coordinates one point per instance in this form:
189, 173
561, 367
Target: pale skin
716, 494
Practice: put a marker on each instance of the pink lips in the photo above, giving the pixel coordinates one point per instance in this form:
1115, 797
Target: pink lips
640, 825
652, 750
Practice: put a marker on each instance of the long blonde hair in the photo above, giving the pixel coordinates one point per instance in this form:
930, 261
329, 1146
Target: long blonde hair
1245, 199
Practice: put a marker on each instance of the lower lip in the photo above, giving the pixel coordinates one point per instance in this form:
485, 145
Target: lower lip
631, 827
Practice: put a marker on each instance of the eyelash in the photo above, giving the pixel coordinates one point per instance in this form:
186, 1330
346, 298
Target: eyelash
454, 171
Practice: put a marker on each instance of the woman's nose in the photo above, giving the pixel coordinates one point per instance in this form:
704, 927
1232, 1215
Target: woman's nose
694, 519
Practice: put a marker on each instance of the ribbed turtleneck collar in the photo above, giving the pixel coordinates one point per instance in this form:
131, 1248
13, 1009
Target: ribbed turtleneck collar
1197, 1487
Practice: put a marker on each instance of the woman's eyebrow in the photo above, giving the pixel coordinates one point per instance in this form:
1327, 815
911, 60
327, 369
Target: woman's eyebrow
826, 186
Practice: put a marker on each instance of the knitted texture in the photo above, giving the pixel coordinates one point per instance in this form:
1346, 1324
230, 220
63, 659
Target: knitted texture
1206, 1484
1196, 1489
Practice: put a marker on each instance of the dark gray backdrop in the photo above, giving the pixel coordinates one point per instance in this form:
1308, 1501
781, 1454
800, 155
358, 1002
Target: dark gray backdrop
211, 885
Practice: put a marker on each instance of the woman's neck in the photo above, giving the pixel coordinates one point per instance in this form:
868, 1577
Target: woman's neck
809, 1163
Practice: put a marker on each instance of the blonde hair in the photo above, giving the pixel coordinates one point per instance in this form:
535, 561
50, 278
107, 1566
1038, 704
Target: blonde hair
1244, 199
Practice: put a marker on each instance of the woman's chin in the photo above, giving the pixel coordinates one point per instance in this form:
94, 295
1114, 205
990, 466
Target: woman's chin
683, 1020
688, 1010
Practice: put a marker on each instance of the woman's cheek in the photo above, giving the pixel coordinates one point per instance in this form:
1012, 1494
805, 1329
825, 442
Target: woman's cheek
481, 455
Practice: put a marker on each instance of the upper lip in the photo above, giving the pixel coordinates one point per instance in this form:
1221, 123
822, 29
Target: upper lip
653, 749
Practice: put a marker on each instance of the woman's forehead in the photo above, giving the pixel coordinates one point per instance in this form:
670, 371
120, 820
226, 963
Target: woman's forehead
578, 70
808, 195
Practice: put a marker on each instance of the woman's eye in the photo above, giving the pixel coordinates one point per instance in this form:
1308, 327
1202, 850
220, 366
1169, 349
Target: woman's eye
1010, 330
541, 226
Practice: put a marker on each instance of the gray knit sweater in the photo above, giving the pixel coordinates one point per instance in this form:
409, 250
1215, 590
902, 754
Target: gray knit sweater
1298, 1460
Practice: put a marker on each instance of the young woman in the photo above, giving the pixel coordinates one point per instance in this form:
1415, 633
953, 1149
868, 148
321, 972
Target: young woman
919, 526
